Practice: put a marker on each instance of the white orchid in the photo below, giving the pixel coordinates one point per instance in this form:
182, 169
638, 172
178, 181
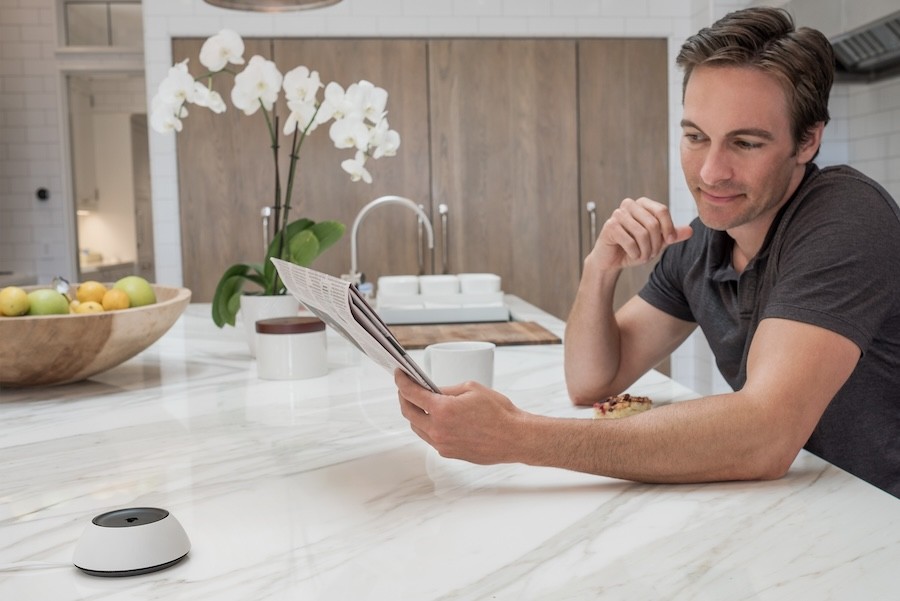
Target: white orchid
163, 117
367, 100
210, 99
258, 84
300, 89
356, 168
336, 103
167, 105
384, 141
223, 48
301, 84
359, 112
349, 132
359, 123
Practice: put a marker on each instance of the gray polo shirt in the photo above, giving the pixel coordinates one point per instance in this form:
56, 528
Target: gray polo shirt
832, 259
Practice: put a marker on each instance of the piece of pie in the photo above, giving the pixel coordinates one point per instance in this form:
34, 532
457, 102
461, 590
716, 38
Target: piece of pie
621, 405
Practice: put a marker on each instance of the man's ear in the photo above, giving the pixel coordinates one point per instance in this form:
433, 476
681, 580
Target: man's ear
809, 147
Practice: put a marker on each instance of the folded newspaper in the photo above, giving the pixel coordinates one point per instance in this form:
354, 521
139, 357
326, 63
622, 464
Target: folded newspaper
340, 305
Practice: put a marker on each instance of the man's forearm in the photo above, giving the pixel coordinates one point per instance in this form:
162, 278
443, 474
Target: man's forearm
592, 337
709, 439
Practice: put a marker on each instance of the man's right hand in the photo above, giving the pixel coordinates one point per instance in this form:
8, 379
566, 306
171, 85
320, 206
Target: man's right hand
636, 233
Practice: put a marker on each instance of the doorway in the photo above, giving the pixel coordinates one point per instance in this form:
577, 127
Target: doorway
110, 175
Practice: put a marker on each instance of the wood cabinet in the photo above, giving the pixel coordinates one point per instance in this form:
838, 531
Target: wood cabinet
514, 136
623, 127
504, 160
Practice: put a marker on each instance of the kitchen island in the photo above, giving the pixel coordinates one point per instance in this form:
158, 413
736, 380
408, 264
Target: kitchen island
317, 489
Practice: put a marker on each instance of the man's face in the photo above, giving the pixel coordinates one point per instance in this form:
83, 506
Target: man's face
737, 151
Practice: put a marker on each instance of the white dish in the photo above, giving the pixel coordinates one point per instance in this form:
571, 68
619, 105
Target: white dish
398, 285
438, 284
479, 283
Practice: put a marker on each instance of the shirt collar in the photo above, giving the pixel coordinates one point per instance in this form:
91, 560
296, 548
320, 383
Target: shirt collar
721, 244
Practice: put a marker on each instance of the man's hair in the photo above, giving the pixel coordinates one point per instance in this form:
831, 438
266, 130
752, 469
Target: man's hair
764, 38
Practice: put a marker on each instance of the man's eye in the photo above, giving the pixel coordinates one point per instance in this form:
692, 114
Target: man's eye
693, 137
745, 145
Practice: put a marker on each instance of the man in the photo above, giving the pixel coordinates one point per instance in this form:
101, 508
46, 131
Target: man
790, 271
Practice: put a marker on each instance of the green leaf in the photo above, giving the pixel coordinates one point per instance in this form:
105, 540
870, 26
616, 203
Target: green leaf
303, 248
226, 300
328, 232
299, 225
293, 228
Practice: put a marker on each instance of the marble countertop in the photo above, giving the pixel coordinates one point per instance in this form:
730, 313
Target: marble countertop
317, 489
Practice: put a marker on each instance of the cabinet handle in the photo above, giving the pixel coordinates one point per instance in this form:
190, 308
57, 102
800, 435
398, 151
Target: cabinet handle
445, 244
420, 251
265, 213
592, 214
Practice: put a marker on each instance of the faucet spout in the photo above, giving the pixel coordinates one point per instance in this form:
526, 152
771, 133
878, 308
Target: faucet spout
355, 276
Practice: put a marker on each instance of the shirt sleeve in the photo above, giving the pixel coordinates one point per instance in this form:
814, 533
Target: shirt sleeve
836, 267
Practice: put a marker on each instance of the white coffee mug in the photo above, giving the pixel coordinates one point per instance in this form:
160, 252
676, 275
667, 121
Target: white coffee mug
449, 363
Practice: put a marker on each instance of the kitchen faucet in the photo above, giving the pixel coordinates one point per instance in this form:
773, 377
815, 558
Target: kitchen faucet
355, 277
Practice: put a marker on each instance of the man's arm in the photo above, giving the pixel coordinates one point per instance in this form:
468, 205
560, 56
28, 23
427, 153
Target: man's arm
604, 352
793, 372
607, 352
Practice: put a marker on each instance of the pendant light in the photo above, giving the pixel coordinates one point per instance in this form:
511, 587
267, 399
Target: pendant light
271, 6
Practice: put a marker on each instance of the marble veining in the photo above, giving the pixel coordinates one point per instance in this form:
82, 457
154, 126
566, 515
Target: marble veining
317, 489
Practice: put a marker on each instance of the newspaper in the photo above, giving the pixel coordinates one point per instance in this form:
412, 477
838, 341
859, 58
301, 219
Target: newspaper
340, 305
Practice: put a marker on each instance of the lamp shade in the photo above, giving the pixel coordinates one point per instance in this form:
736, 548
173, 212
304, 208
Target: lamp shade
271, 6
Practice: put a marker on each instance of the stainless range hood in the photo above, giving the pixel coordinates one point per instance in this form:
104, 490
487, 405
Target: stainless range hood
869, 53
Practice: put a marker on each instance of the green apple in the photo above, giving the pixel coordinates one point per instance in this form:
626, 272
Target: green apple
47, 302
139, 290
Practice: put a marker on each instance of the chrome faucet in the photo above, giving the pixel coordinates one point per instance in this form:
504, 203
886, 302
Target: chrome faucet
355, 277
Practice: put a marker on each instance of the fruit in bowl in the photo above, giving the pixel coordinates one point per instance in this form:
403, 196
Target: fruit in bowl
39, 349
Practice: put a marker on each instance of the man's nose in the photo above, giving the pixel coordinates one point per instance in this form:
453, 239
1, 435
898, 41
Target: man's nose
716, 165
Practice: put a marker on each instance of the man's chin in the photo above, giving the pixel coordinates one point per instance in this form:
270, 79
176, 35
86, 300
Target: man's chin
715, 222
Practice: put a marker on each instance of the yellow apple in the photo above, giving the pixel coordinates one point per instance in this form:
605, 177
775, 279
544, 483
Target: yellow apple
14, 301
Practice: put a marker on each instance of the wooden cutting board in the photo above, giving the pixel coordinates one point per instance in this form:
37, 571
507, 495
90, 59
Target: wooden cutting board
503, 333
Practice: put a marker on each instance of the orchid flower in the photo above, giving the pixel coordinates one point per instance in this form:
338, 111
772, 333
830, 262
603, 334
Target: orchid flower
300, 89
349, 132
367, 100
178, 86
210, 99
223, 48
360, 123
356, 168
257, 84
384, 141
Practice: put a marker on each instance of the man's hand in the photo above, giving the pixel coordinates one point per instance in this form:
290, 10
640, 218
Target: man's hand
636, 233
468, 421
606, 351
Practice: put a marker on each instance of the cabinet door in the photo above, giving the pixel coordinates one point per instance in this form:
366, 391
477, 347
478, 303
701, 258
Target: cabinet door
623, 130
504, 161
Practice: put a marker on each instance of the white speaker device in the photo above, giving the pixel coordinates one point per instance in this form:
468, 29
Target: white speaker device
128, 542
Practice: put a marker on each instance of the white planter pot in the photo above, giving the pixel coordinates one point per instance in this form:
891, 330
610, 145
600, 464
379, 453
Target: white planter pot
254, 308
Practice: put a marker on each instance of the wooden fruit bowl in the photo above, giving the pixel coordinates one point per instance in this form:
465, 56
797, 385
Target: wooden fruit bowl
44, 350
